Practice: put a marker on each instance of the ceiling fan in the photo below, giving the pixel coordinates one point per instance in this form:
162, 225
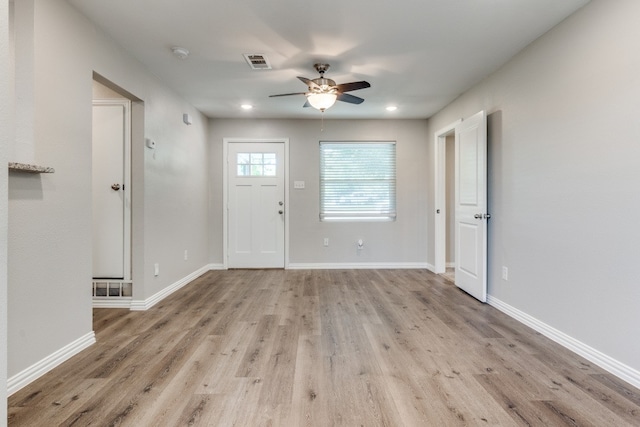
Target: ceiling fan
324, 92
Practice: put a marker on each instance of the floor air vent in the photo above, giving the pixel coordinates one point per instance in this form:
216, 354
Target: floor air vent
104, 288
257, 61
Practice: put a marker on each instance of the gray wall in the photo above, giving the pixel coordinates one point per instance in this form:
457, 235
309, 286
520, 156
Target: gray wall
49, 242
6, 137
563, 177
402, 242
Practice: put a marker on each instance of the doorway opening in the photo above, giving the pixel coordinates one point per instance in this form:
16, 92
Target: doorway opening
444, 167
116, 121
470, 214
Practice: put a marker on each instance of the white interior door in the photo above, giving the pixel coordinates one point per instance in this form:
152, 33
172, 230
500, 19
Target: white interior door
109, 188
256, 205
471, 206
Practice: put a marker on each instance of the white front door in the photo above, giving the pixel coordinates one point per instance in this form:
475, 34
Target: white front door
471, 206
256, 204
110, 143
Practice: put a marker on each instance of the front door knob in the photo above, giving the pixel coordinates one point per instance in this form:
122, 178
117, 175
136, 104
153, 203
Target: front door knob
116, 187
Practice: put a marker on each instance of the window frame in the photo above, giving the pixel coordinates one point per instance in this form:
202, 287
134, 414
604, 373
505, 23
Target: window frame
350, 212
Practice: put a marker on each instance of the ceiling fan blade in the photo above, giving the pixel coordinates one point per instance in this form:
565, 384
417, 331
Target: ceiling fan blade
309, 82
345, 97
287, 94
346, 87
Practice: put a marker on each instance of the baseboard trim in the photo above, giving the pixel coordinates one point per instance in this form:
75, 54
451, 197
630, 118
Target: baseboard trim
358, 265
40, 368
617, 368
114, 302
143, 305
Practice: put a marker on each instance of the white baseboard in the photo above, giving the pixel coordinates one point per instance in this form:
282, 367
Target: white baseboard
142, 305
617, 368
430, 267
358, 265
113, 302
40, 368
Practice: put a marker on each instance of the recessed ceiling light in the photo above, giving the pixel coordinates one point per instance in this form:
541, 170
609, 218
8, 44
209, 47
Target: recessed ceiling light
392, 108
246, 106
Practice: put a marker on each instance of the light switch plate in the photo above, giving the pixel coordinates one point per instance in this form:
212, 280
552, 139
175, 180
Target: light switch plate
298, 185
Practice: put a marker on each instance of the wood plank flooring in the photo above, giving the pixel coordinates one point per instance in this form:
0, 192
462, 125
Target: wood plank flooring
322, 348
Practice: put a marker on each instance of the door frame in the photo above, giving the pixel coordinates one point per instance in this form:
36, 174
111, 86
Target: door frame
225, 193
440, 182
126, 103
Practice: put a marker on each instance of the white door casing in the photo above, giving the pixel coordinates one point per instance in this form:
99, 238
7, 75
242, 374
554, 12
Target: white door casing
471, 206
111, 139
256, 204
441, 213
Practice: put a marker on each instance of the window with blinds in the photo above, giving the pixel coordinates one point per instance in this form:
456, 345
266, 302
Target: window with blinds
357, 181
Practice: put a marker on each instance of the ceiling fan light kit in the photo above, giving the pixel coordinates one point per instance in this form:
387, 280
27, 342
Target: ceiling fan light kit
321, 101
323, 92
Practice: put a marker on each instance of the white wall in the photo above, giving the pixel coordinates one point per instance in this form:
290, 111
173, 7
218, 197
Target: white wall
563, 177
402, 242
50, 215
6, 140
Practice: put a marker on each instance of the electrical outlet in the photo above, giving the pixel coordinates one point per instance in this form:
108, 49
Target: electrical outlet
326, 241
186, 255
505, 273
156, 269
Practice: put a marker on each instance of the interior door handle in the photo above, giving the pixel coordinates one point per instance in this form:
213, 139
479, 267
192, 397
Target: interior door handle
280, 211
480, 216
115, 187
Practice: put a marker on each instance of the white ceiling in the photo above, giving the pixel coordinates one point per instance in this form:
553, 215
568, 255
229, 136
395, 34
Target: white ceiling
417, 54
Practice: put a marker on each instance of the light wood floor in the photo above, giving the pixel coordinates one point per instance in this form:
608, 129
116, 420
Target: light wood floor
322, 348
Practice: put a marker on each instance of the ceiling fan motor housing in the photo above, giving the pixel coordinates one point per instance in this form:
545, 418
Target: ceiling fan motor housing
326, 85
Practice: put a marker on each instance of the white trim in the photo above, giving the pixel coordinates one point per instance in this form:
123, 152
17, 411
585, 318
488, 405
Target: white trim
360, 266
126, 302
225, 193
439, 170
430, 267
617, 368
142, 305
45, 365
112, 302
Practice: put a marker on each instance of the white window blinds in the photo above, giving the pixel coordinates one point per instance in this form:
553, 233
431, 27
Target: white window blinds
357, 181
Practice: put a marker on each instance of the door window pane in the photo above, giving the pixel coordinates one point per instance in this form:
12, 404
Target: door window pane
256, 164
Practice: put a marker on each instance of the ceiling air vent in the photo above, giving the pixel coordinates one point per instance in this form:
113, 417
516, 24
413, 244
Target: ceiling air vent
257, 61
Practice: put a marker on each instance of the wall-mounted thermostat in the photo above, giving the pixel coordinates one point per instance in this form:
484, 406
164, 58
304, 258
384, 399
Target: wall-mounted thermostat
150, 143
